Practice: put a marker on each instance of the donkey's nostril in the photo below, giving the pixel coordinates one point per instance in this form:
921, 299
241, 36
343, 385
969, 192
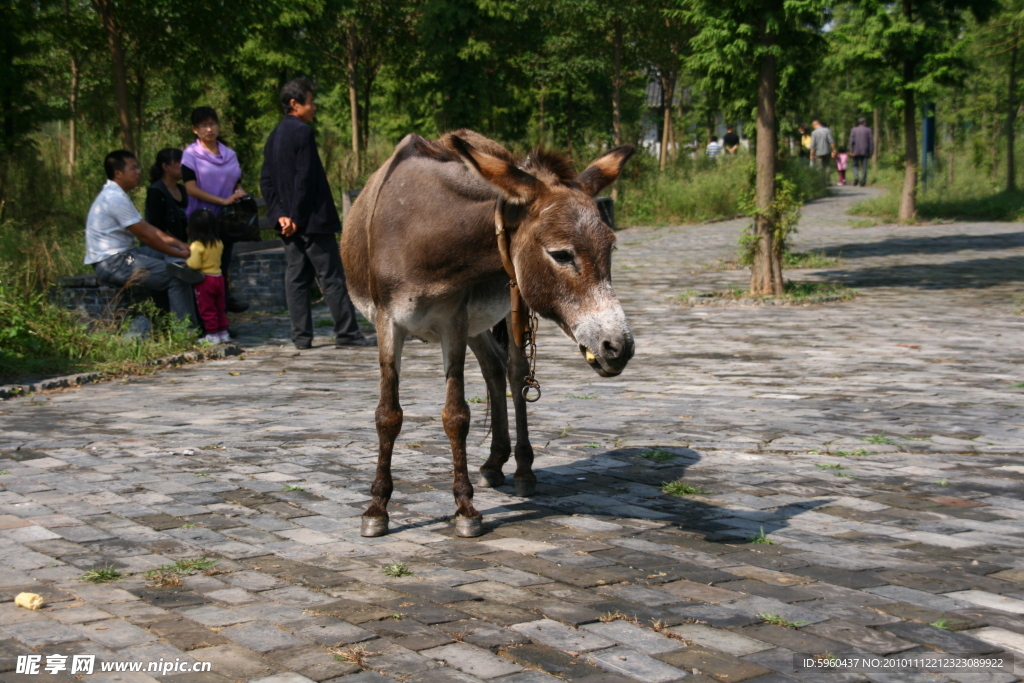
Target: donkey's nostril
610, 349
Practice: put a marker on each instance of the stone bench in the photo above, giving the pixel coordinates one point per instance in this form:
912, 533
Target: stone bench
90, 297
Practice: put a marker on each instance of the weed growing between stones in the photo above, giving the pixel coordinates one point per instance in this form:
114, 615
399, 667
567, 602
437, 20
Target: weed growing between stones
878, 438
837, 466
353, 654
396, 569
656, 455
292, 487
859, 453
775, 620
618, 616
169, 575
795, 293
475, 399
761, 538
585, 397
678, 488
101, 575
942, 482
188, 525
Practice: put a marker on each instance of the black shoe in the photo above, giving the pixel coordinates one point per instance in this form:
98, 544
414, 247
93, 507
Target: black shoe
236, 306
358, 341
184, 273
303, 345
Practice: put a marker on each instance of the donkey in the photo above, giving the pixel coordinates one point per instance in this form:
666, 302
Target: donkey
421, 259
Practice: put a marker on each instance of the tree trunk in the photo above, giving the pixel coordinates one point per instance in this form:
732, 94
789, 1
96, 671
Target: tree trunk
617, 96
1011, 116
908, 198
364, 126
353, 94
541, 141
668, 86
876, 153
766, 273
139, 98
568, 117
105, 9
73, 123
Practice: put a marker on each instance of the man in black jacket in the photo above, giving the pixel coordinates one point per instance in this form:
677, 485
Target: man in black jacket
299, 201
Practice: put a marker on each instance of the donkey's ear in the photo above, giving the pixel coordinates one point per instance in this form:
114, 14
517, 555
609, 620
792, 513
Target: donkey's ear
604, 170
518, 186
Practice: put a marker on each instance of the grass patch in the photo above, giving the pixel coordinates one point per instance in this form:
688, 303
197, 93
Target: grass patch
696, 190
584, 397
942, 482
101, 575
759, 537
837, 466
476, 399
775, 620
863, 223
795, 293
859, 453
292, 487
681, 489
396, 569
942, 623
656, 455
878, 438
169, 575
808, 259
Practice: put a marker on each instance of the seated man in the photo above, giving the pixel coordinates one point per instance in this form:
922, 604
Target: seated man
113, 224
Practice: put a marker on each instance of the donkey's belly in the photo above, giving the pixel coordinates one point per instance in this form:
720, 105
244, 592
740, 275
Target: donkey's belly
428, 318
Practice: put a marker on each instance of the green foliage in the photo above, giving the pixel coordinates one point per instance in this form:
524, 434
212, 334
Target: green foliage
101, 575
396, 569
680, 488
776, 620
794, 186
656, 455
761, 538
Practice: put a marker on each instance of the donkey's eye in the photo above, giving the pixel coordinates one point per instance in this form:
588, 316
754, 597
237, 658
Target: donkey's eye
562, 256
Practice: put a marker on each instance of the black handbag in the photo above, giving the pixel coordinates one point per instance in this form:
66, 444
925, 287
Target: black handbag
240, 222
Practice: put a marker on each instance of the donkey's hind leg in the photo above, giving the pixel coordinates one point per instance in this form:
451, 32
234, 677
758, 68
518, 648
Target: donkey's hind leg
491, 357
455, 417
518, 367
389, 423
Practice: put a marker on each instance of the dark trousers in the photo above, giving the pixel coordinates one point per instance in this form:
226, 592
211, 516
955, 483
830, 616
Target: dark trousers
317, 257
860, 170
146, 267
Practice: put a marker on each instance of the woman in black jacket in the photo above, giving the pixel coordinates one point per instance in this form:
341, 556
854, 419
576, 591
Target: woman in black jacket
165, 198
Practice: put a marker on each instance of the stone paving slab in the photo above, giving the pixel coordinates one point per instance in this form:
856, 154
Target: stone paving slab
875, 443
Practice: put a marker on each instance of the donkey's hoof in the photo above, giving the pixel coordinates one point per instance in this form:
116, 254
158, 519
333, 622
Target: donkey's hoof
490, 479
468, 527
373, 526
526, 489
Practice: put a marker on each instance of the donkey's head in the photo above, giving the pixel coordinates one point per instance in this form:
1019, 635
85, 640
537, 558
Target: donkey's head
561, 249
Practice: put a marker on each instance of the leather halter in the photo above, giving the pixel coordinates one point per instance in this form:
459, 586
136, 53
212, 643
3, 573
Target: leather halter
524, 324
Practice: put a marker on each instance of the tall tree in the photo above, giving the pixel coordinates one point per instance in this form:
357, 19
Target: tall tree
914, 44
750, 46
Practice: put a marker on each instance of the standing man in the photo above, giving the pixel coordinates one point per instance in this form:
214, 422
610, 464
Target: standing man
299, 201
823, 148
862, 146
731, 141
111, 227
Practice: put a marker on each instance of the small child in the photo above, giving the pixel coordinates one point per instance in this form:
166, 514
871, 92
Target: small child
841, 160
210, 297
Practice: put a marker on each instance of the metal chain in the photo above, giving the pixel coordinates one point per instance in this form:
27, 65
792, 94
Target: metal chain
530, 382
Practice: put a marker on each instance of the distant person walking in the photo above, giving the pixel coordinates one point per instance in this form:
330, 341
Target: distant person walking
805, 142
823, 148
731, 141
299, 202
842, 159
714, 148
862, 146
213, 180
111, 227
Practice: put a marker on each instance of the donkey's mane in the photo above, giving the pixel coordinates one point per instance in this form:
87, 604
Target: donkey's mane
547, 165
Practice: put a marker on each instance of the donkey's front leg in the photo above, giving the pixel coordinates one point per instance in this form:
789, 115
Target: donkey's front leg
518, 367
455, 416
389, 423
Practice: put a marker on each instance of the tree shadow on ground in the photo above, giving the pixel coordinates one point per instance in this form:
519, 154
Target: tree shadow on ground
967, 274
942, 244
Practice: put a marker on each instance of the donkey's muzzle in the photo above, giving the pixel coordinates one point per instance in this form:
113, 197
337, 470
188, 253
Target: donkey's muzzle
611, 358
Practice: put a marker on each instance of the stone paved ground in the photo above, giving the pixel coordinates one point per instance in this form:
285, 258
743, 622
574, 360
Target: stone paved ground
877, 443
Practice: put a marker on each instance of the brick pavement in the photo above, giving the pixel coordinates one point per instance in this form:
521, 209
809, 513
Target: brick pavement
875, 442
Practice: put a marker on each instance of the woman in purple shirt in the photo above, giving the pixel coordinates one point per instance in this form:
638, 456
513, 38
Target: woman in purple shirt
213, 180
